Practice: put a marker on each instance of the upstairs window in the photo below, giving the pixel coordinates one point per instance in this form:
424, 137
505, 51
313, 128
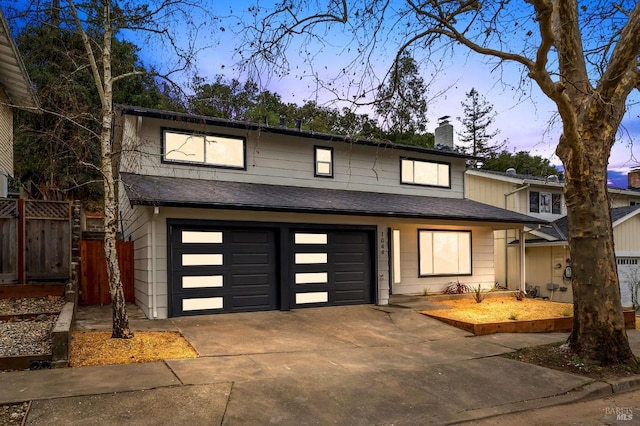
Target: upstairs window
209, 150
545, 202
419, 172
323, 162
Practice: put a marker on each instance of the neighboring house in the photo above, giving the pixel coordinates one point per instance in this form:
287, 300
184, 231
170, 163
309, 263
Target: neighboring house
15, 92
232, 216
546, 246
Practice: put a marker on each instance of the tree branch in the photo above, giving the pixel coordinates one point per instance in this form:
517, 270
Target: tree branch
90, 55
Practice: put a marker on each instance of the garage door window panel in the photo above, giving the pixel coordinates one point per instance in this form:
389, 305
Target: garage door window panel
203, 281
444, 252
201, 237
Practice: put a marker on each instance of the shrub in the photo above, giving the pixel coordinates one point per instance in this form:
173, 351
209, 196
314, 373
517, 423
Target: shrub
477, 294
519, 295
456, 287
513, 316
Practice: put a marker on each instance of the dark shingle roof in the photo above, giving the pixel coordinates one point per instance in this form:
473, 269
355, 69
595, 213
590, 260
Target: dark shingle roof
183, 192
560, 227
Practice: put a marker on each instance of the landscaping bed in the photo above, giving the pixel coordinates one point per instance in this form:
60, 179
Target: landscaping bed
98, 348
26, 329
509, 315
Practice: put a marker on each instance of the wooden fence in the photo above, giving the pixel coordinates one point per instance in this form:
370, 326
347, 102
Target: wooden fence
94, 284
35, 241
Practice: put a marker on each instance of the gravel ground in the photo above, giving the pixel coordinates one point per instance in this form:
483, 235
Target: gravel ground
31, 305
12, 415
20, 337
31, 337
25, 337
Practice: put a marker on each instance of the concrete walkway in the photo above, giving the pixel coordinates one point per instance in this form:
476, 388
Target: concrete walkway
356, 365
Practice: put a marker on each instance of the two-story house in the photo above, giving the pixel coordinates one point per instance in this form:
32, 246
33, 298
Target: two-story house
547, 260
15, 92
232, 216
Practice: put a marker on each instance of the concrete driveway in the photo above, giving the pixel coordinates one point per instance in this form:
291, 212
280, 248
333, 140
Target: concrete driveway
341, 365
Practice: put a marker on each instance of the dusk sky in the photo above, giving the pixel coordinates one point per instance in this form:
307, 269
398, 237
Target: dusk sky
525, 120
523, 117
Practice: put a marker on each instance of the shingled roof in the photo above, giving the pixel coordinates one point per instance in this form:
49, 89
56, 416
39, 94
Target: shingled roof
201, 193
558, 230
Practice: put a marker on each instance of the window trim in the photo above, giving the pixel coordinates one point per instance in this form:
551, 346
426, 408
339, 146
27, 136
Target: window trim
315, 162
163, 148
453, 274
553, 194
402, 182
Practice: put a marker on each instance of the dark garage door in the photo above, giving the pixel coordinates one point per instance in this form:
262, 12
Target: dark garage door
222, 270
331, 268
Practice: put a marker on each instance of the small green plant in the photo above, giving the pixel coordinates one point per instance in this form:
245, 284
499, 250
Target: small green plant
425, 291
566, 312
513, 316
519, 295
456, 287
477, 294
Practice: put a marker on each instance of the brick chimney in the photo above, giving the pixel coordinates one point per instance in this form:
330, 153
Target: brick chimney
633, 179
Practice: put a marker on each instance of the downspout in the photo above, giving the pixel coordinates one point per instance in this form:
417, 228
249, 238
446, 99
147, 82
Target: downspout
522, 262
154, 270
506, 244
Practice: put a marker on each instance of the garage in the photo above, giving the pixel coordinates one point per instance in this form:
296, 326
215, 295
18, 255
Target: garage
628, 271
331, 268
238, 267
216, 269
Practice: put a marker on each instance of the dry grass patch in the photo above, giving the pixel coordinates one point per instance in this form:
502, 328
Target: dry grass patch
98, 348
501, 309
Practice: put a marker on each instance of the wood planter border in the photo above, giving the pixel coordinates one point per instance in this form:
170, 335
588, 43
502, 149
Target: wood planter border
551, 325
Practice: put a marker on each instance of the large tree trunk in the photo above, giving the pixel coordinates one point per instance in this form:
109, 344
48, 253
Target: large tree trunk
598, 324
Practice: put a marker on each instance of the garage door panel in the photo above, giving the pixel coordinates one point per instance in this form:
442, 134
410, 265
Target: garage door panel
350, 259
349, 296
346, 276
251, 237
234, 269
248, 303
249, 280
250, 259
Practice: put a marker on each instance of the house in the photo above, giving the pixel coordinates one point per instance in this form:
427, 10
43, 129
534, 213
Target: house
547, 259
232, 216
15, 92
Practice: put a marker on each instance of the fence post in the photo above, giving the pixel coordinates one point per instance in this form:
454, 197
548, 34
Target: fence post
21, 243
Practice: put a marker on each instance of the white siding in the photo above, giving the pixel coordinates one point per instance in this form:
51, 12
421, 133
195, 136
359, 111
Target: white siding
286, 160
146, 293
412, 283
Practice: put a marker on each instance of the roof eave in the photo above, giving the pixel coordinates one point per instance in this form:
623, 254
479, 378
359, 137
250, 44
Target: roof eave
22, 94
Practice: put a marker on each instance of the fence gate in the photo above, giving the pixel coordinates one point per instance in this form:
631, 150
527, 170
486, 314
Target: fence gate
8, 241
94, 283
36, 241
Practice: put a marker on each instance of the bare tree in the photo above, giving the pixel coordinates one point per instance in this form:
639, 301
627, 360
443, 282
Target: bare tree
584, 57
108, 19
